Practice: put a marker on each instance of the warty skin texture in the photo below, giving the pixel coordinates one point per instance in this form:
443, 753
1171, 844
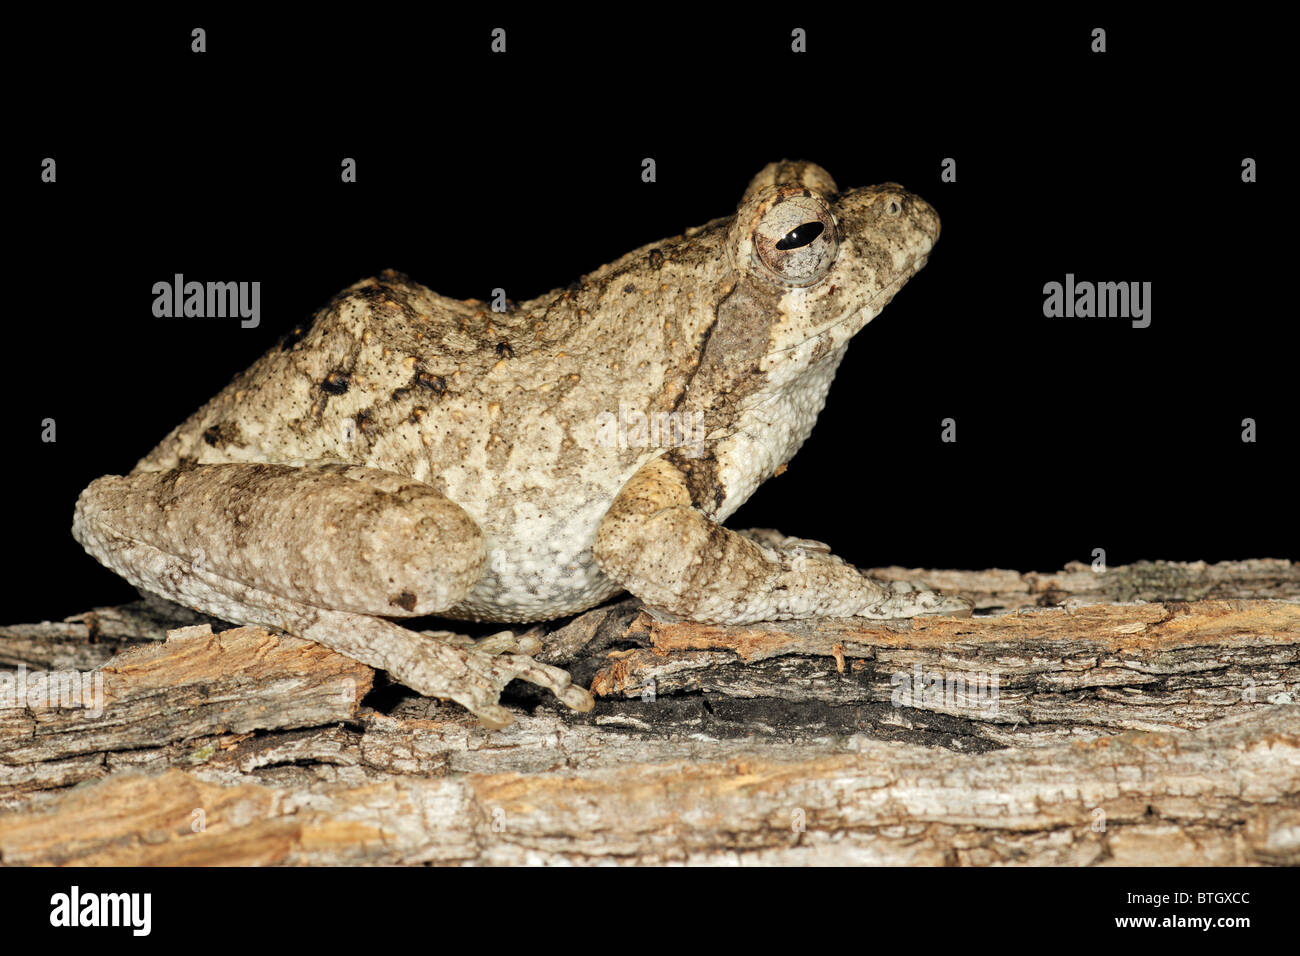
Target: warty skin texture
405, 454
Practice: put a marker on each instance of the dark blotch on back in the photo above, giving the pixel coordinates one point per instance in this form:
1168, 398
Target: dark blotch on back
434, 383
366, 422
223, 433
336, 383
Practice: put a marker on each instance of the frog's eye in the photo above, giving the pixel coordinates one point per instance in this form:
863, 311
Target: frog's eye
801, 236
795, 239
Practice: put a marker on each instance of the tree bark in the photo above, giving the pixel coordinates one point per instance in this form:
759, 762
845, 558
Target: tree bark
1141, 715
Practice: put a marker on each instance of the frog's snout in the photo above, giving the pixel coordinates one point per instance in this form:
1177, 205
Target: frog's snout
890, 210
923, 216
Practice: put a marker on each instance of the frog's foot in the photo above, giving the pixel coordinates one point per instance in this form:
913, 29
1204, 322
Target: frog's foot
909, 599
502, 642
771, 538
472, 677
324, 552
903, 599
656, 542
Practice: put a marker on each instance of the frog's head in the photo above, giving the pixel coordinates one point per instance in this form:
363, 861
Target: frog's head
812, 265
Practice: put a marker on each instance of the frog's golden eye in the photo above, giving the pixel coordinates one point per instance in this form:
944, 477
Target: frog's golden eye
795, 238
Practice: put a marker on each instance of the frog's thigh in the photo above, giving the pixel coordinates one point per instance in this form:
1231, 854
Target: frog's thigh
333, 536
238, 542
657, 544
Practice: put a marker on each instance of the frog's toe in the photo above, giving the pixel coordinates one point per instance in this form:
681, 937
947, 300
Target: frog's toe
508, 642
950, 606
577, 698
502, 642
494, 717
907, 599
554, 679
526, 644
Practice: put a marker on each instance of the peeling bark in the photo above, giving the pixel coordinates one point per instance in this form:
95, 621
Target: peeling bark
1115, 733
1225, 797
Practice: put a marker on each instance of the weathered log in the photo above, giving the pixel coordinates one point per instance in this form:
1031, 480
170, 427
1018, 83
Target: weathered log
1091, 732
194, 687
1017, 679
998, 589
1225, 795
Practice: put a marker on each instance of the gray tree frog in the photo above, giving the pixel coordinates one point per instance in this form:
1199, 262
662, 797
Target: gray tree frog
404, 454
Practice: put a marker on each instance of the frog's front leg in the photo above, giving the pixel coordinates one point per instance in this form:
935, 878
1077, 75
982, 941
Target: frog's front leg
326, 552
657, 544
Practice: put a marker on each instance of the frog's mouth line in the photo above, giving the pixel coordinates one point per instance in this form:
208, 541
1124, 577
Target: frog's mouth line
889, 289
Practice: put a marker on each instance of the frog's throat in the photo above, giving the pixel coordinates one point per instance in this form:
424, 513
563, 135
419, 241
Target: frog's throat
889, 289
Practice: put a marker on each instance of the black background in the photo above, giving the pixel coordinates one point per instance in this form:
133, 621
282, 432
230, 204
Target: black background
826, 910
523, 171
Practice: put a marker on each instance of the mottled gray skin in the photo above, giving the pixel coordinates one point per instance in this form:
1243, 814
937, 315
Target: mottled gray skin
406, 454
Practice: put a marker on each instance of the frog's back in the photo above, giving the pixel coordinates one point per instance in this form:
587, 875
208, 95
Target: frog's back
382, 351
501, 412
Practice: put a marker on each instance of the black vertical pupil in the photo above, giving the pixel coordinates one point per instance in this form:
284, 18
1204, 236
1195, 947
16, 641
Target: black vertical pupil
800, 235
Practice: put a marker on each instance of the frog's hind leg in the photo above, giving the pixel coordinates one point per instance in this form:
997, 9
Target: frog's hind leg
326, 552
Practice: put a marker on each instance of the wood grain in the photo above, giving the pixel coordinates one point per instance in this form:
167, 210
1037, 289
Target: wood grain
1147, 720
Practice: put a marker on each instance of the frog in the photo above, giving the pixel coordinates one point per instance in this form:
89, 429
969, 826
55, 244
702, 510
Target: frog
404, 455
